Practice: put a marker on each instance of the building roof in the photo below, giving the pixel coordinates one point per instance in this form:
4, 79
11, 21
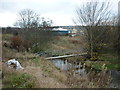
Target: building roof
60, 29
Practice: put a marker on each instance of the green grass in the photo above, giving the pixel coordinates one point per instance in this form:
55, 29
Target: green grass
109, 57
112, 59
97, 66
36, 61
109, 66
112, 66
21, 80
111, 62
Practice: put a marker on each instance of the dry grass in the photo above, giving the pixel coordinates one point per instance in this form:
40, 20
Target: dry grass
46, 75
44, 81
8, 54
50, 70
0, 65
100, 80
67, 45
43, 72
76, 81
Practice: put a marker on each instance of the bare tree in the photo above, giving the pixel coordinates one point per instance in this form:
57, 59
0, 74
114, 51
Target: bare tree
28, 19
118, 44
36, 31
91, 16
46, 22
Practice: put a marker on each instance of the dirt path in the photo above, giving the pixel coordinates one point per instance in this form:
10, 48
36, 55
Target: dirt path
43, 81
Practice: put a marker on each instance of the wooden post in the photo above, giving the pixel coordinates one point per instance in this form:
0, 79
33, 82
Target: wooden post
62, 66
66, 61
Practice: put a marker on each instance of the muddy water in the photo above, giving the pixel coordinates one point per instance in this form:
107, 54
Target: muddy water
65, 65
79, 69
116, 78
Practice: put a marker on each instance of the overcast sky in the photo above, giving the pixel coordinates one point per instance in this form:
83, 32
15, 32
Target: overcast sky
60, 11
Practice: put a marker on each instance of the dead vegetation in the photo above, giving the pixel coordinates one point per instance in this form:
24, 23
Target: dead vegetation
43, 74
42, 71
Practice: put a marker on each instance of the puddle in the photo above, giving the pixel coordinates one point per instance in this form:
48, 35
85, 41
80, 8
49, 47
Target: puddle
79, 70
64, 65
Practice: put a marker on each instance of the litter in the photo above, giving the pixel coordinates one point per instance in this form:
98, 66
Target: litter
14, 63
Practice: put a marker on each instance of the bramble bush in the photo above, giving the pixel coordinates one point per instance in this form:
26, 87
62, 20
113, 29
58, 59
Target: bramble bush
19, 44
16, 42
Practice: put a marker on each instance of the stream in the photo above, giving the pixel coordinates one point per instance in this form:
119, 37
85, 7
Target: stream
78, 68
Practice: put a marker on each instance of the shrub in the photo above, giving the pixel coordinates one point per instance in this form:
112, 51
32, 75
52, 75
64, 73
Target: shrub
16, 42
25, 44
39, 40
19, 43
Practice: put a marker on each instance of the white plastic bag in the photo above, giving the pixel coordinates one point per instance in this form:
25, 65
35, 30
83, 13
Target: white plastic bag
13, 61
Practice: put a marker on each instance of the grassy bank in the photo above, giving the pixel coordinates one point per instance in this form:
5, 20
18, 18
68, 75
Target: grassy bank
41, 73
37, 73
111, 62
16, 79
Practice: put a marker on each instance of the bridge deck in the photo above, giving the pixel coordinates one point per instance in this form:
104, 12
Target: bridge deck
65, 56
